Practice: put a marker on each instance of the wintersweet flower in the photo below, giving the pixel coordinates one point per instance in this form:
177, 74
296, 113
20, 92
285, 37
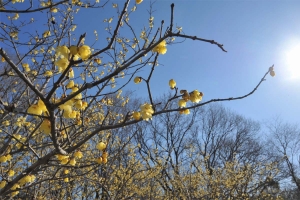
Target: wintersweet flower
66, 180
46, 126
172, 84
146, 111
137, 80
196, 96
182, 103
101, 146
46, 34
160, 48
35, 109
71, 73
70, 84
48, 73
3, 159
42, 106
185, 111
136, 115
62, 51
62, 64
138, 1
98, 61
72, 162
84, 52
2, 184
54, 10
11, 173
98, 160
16, 16
78, 154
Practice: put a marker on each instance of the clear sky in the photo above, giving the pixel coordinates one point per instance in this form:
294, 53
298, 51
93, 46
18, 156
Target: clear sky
256, 34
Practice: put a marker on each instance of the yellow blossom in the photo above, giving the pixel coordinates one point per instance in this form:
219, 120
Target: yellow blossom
62, 51
11, 173
2, 184
62, 64
196, 96
101, 146
181, 103
16, 16
84, 52
66, 180
172, 84
3, 159
48, 73
136, 115
66, 171
72, 162
46, 34
99, 160
137, 80
54, 10
138, 1
160, 48
35, 109
146, 111
98, 61
46, 126
70, 84
78, 154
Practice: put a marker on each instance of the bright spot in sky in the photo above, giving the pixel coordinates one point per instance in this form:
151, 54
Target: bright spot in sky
292, 57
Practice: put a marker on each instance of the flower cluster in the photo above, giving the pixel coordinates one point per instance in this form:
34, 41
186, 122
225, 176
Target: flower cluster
160, 48
194, 97
146, 111
102, 159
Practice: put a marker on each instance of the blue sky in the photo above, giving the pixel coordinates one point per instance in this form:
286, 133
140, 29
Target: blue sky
256, 35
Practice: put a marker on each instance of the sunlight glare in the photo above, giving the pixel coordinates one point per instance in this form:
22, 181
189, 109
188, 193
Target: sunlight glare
293, 62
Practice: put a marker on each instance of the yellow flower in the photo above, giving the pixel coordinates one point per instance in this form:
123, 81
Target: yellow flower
137, 80
78, 154
66, 180
26, 67
62, 64
46, 126
72, 162
99, 160
172, 84
62, 50
46, 34
101, 146
196, 96
16, 16
54, 10
11, 173
66, 171
84, 52
35, 109
98, 61
138, 1
42, 106
14, 34
6, 123
160, 48
104, 160
3, 159
48, 73
146, 111
2, 184
70, 84
71, 73
136, 115
181, 103
185, 111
